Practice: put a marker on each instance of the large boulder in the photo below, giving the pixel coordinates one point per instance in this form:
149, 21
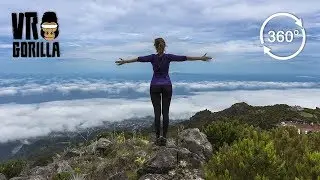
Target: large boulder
96, 147
182, 160
192, 159
196, 142
161, 163
2, 177
103, 143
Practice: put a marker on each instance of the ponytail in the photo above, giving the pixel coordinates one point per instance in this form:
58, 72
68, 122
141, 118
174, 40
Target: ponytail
160, 45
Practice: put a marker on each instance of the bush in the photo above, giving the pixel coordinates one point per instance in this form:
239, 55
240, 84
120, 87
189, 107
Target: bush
220, 132
309, 167
250, 153
249, 158
314, 141
12, 168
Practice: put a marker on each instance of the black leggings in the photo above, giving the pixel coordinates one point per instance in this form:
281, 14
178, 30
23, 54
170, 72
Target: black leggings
156, 91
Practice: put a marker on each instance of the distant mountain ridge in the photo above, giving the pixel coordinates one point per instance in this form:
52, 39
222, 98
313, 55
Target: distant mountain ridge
265, 117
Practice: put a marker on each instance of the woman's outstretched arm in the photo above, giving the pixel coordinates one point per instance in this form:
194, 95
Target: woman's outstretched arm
122, 61
147, 58
202, 58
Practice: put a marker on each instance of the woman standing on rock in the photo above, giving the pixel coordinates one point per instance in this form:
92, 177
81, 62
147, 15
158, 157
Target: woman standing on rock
160, 86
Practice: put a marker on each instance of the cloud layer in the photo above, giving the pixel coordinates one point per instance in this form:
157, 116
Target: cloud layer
109, 88
20, 121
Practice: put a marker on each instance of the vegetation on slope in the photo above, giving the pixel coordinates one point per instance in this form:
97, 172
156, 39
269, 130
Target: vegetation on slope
245, 152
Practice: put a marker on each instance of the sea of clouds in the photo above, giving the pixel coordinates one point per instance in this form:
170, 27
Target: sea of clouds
20, 121
25, 87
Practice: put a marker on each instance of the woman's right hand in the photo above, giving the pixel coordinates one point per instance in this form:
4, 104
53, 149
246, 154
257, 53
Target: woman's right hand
205, 57
120, 62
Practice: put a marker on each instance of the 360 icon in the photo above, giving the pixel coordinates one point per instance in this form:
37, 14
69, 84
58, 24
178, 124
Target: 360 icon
282, 36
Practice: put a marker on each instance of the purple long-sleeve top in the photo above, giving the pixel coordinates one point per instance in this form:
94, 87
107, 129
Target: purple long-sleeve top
160, 66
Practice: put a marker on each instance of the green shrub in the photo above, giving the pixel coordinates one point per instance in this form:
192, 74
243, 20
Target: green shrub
281, 153
246, 159
221, 132
309, 166
314, 141
12, 168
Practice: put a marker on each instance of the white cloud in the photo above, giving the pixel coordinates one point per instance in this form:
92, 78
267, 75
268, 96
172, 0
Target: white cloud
118, 87
5, 91
29, 120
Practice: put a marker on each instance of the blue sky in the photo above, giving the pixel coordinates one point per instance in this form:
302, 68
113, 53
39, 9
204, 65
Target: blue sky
94, 33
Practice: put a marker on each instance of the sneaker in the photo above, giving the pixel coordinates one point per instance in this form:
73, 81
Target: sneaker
157, 142
163, 141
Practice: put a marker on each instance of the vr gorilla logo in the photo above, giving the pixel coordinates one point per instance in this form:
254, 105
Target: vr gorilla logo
49, 31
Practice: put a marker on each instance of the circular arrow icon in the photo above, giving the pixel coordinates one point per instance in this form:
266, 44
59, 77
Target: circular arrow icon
298, 22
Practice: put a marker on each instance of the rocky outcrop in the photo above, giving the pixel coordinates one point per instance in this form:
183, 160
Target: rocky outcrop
46, 172
2, 177
192, 159
161, 163
96, 147
196, 142
103, 144
181, 159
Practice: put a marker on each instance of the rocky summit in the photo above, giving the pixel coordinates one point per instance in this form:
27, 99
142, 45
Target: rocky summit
134, 158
